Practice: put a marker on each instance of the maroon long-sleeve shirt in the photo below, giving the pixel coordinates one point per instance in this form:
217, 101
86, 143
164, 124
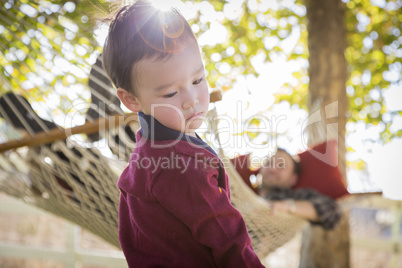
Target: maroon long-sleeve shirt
175, 208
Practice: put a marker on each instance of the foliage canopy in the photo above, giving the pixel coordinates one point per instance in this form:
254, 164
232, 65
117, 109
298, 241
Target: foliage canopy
47, 48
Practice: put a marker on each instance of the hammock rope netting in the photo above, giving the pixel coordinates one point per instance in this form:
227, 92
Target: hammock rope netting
78, 182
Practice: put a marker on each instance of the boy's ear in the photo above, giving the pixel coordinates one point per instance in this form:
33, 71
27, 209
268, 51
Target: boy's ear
129, 100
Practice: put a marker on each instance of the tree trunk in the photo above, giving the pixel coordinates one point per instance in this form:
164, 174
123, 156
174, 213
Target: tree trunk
327, 73
327, 106
322, 249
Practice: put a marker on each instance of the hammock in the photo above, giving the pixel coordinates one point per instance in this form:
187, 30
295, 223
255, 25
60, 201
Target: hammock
50, 171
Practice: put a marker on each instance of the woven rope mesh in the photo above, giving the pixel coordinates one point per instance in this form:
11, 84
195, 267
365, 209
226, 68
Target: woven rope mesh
83, 190
51, 184
266, 231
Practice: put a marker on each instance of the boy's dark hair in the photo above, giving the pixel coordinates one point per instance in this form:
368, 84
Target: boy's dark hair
296, 164
141, 31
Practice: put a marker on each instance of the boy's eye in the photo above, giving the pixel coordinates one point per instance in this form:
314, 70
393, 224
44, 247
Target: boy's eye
198, 81
170, 95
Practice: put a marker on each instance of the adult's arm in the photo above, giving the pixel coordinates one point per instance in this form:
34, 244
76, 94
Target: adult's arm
300, 208
327, 211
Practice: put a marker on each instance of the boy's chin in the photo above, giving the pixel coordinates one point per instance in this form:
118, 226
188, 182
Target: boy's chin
195, 124
191, 133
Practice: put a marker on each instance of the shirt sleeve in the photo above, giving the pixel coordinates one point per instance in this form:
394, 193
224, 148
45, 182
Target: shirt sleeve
328, 211
193, 196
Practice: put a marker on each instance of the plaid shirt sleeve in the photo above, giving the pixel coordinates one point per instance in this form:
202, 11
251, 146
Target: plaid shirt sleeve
328, 211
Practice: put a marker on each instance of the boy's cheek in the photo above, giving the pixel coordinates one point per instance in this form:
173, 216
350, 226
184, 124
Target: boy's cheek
167, 110
170, 117
205, 95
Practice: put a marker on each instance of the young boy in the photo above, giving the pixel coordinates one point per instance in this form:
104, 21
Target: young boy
175, 208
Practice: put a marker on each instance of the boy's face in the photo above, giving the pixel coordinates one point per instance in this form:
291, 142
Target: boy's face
173, 90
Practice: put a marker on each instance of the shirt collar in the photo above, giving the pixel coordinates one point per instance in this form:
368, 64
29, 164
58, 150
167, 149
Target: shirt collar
153, 129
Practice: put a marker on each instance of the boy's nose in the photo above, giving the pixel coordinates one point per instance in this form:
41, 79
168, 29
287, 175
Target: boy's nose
191, 98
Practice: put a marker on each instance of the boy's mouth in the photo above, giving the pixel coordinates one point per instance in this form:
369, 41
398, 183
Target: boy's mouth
194, 116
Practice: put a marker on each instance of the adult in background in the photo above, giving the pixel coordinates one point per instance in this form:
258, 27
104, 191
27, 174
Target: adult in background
278, 175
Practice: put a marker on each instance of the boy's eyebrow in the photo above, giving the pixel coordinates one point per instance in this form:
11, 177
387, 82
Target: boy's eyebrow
201, 69
161, 87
